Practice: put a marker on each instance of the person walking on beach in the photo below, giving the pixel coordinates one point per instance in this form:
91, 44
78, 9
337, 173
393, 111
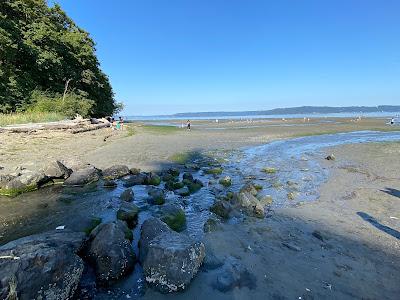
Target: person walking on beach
188, 125
121, 122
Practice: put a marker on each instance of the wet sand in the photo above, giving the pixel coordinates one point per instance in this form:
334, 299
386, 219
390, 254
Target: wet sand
358, 218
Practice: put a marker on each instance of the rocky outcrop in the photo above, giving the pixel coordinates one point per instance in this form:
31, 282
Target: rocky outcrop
83, 176
43, 266
128, 212
110, 251
170, 260
115, 172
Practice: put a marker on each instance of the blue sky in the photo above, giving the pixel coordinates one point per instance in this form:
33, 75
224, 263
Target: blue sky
170, 56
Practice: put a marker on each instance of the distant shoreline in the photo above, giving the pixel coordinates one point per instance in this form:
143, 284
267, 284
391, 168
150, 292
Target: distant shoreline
242, 116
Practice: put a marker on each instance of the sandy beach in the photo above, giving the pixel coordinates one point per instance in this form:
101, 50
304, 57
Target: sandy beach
344, 245
148, 147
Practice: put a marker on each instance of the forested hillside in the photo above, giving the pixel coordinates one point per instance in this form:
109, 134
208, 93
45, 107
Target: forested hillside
48, 63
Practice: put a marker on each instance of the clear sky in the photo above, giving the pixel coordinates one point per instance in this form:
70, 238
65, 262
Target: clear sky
167, 56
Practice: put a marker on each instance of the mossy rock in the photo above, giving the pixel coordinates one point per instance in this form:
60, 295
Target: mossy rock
157, 196
221, 209
214, 171
226, 181
128, 212
187, 176
15, 192
153, 179
134, 171
168, 177
174, 217
258, 187
172, 185
110, 184
269, 170
173, 171
94, 222
194, 187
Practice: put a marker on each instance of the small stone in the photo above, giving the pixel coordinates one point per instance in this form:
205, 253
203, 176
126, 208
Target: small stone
127, 195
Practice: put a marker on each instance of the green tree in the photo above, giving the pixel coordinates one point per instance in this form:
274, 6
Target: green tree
42, 49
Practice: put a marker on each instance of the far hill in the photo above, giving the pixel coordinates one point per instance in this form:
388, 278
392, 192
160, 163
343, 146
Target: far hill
297, 110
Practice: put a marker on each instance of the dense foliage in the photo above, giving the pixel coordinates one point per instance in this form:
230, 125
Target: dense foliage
43, 52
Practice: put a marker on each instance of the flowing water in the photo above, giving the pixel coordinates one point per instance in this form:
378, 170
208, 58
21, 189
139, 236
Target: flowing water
288, 170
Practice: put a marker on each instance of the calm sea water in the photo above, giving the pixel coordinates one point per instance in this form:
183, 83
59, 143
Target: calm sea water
244, 117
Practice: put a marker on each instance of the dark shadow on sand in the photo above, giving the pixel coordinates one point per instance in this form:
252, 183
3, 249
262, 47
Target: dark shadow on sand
392, 192
374, 222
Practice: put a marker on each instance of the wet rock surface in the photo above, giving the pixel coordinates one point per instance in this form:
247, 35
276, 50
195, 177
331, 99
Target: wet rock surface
83, 177
43, 266
170, 260
110, 252
115, 172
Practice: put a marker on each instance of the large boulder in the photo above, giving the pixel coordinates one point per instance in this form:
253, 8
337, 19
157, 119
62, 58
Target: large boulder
128, 212
83, 176
115, 172
57, 170
25, 181
170, 260
43, 266
110, 251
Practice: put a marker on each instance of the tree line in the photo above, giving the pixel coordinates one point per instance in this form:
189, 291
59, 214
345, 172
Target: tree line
48, 63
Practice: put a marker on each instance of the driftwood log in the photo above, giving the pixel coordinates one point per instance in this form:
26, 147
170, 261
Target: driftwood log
73, 126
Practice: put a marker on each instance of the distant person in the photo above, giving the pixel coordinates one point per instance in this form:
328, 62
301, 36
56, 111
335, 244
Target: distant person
112, 124
121, 122
188, 125
392, 121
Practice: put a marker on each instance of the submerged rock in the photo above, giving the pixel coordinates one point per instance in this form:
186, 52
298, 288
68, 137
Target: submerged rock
233, 274
83, 176
173, 171
57, 170
211, 225
43, 266
110, 252
174, 216
184, 191
226, 181
115, 172
127, 195
222, 209
187, 176
170, 260
128, 212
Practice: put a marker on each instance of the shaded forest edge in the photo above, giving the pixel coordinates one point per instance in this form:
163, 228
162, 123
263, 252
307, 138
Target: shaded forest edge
49, 64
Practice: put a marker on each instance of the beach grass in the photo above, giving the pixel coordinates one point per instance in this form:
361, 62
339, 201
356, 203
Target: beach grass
29, 117
161, 129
